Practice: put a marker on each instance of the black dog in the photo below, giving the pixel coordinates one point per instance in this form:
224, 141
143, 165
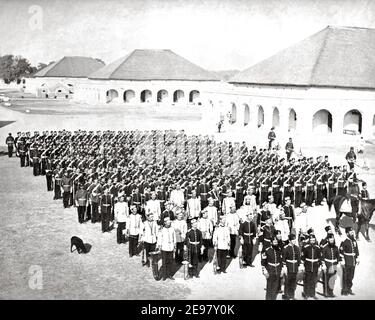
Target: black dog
78, 243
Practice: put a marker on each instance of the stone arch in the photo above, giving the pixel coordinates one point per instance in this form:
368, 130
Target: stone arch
246, 115
233, 113
178, 96
322, 121
275, 117
194, 96
260, 116
353, 121
162, 95
292, 120
111, 95
129, 96
146, 96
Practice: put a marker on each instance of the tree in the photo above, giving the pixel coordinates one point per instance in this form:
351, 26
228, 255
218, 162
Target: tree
6, 68
14, 67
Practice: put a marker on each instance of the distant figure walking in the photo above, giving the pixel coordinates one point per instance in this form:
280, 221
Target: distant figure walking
219, 125
271, 138
10, 142
289, 148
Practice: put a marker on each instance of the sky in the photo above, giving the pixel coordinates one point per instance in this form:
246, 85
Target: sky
217, 35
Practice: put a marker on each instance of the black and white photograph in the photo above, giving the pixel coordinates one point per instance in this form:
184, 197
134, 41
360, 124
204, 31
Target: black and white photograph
187, 150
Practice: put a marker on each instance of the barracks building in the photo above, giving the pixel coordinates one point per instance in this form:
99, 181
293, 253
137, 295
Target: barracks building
324, 84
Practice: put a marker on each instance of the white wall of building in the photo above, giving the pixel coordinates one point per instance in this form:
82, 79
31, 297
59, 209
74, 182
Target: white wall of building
48, 85
299, 104
96, 91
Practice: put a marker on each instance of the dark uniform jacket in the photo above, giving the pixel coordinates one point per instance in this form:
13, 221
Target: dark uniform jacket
272, 260
81, 197
247, 231
349, 252
311, 256
291, 257
194, 240
330, 255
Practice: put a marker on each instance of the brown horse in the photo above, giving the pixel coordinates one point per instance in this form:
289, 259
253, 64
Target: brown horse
364, 217
337, 202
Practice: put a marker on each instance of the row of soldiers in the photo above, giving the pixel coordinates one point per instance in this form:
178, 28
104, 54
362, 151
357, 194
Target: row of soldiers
282, 262
111, 159
101, 172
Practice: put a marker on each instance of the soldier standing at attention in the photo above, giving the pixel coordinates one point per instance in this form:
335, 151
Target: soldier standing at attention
134, 227
180, 228
330, 259
233, 223
81, 200
106, 203
247, 234
66, 185
206, 226
94, 200
10, 143
291, 261
350, 258
121, 215
271, 267
193, 243
221, 241
149, 236
167, 244
289, 213
22, 152
311, 256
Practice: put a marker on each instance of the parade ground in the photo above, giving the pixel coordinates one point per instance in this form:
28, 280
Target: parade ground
36, 229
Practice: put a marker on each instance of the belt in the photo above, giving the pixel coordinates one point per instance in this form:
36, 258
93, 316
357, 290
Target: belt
273, 264
275, 186
268, 240
66, 185
136, 202
162, 200
204, 193
248, 234
106, 205
195, 243
312, 260
292, 261
82, 199
329, 260
350, 254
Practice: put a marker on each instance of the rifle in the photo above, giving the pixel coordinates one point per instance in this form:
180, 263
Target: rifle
240, 257
186, 263
214, 261
143, 254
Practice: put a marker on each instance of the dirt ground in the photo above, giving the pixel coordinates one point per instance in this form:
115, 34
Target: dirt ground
36, 230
